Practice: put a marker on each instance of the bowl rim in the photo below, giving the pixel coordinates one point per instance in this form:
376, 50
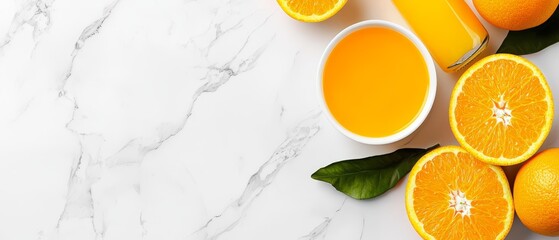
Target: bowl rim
429, 101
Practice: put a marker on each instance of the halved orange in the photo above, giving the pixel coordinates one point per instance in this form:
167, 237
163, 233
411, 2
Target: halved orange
501, 109
311, 10
452, 195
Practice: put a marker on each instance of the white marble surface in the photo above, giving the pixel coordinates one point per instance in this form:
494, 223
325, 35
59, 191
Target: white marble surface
185, 119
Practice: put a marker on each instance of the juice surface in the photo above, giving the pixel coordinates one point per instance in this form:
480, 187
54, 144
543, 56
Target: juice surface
375, 82
448, 28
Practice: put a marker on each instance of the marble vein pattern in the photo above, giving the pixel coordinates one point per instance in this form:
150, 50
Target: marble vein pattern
288, 150
33, 13
113, 87
87, 32
319, 232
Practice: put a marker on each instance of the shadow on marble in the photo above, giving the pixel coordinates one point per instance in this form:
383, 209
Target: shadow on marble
351, 13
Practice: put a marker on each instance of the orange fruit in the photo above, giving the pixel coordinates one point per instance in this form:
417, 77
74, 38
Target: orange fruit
311, 10
536, 193
501, 109
451, 195
516, 14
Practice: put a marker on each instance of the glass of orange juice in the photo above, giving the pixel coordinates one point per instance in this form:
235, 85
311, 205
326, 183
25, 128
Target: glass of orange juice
449, 29
377, 82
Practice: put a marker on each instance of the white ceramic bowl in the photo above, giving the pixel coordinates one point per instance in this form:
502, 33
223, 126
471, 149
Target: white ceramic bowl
430, 95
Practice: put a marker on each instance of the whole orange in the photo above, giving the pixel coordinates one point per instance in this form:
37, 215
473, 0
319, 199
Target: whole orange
516, 14
536, 193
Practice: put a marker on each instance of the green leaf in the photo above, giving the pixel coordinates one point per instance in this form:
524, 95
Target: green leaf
371, 176
534, 39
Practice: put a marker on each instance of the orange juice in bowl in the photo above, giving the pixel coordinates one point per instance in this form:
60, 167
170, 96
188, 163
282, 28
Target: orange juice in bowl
377, 82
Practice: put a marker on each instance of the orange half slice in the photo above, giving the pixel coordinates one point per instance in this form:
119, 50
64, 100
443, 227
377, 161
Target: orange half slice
501, 109
311, 10
452, 195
